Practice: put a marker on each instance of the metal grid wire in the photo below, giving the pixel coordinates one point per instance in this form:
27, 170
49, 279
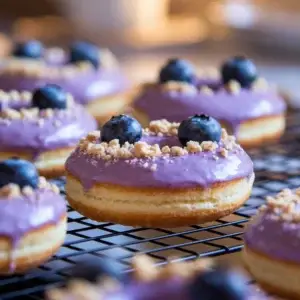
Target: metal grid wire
277, 166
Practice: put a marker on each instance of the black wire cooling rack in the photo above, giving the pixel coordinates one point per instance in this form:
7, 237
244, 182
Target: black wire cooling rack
277, 166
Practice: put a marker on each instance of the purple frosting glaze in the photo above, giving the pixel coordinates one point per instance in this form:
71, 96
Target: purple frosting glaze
22, 214
191, 170
275, 238
222, 105
27, 135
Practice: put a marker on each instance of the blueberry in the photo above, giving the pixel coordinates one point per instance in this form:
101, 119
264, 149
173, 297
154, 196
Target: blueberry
84, 51
123, 128
93, 269
241, 69
219, 284
29, 49
177, 70
49, 96
199, 128
18, 171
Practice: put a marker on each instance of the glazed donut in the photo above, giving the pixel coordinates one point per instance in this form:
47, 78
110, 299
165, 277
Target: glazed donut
33, 217
45, 130
246, 105
167, 175
272, 245
91, 75
193, 280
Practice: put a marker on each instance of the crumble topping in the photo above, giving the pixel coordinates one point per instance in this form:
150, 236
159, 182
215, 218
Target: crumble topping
39, 68
34, 113
284, 206
234, 87
13, 190
144, 270
260, 85
145, 154
180, 87
12, 96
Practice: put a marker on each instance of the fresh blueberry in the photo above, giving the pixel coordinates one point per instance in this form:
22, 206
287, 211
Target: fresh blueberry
18, 171
199, 128
29, 49
177, 70
241, 69
84, 51
49, 96
123, 128
219, 284
93, 269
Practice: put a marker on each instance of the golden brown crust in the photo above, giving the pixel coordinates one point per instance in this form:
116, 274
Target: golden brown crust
118, 204
25, 254
246, 128
287, 269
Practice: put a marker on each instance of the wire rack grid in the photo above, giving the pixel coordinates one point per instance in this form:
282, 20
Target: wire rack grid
277, 166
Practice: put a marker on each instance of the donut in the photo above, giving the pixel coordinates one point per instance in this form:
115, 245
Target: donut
33, 217
245, 104
272, 245
90, 74
45, 130
201, 279
167, 175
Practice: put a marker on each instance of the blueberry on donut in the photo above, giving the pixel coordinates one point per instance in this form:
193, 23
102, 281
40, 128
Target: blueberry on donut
235, 95
45, 129
90, 73
33, 217
165, 175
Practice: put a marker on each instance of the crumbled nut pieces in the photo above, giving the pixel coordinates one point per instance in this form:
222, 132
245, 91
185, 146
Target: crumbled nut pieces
206, 90
234, 87
145, 270
162, 126
260, 85
113, 151
284, 206
180, 87
33, 113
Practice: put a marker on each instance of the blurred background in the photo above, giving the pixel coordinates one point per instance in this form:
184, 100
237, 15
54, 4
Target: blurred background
143, 33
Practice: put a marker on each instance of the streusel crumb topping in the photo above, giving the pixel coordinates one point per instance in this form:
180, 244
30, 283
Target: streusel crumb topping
141, 150
284, 206
34, 113
233, 87
13, 190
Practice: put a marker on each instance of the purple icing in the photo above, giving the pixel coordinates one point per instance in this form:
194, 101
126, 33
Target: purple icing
22, 214
275, 238
222, 105
27, 135
191, 170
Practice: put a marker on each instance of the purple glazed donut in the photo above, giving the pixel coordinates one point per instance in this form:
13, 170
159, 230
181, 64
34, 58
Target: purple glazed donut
101, 88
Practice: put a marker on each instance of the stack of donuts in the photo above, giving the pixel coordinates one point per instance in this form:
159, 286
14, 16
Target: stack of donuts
177, 160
